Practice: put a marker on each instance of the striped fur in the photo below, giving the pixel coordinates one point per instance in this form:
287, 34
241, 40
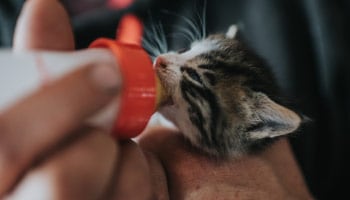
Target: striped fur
222, 97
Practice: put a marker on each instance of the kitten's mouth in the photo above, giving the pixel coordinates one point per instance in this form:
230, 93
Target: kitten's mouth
166, 102
164, 97
164, 94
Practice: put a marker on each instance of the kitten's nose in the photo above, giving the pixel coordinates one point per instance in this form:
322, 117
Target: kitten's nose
160, 62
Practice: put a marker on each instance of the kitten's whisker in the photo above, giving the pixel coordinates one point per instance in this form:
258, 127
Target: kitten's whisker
200, 24
150, 48
192, 25
176, 35
156, 36
201, 20
204, 19
157, 40
186, 32
148, 43
153, 58
164, 44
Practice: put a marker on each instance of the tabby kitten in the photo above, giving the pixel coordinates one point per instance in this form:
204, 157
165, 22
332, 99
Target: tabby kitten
222, 97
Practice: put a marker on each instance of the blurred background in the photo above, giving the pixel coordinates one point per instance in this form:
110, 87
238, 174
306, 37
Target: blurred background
306, 42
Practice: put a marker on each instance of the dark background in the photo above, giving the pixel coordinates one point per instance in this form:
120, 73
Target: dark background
306, 42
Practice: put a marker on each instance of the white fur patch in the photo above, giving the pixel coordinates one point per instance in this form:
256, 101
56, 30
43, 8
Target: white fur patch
198, 48
232, 31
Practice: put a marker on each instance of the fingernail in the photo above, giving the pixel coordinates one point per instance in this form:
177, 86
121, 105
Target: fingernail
107, 78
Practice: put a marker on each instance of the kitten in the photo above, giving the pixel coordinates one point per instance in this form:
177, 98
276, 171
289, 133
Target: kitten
222, 97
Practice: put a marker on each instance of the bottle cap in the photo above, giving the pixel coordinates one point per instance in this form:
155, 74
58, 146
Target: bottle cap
138, 97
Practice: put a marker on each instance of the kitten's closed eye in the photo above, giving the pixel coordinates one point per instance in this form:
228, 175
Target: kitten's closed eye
210, 77
192, 74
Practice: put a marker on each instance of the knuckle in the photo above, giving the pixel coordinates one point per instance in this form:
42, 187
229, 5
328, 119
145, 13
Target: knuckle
10, 159
101, 140
8, 152
10, 167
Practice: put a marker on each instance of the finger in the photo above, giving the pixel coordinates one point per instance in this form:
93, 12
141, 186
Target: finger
43, 119
43, 24
133, 174
186, 169
158, 177
83, 170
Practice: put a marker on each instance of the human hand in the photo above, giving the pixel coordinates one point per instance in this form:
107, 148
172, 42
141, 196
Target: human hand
271, 174
46, 150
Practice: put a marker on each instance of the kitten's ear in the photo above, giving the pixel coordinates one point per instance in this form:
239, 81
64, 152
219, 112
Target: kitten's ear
232, 31
271, 119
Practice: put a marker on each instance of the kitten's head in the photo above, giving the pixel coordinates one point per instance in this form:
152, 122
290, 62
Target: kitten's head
221, 96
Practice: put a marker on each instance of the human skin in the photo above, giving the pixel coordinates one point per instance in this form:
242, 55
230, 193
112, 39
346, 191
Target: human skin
271, 174
48, 149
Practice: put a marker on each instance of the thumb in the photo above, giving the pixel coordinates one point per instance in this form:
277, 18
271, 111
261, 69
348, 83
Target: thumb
43, 24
